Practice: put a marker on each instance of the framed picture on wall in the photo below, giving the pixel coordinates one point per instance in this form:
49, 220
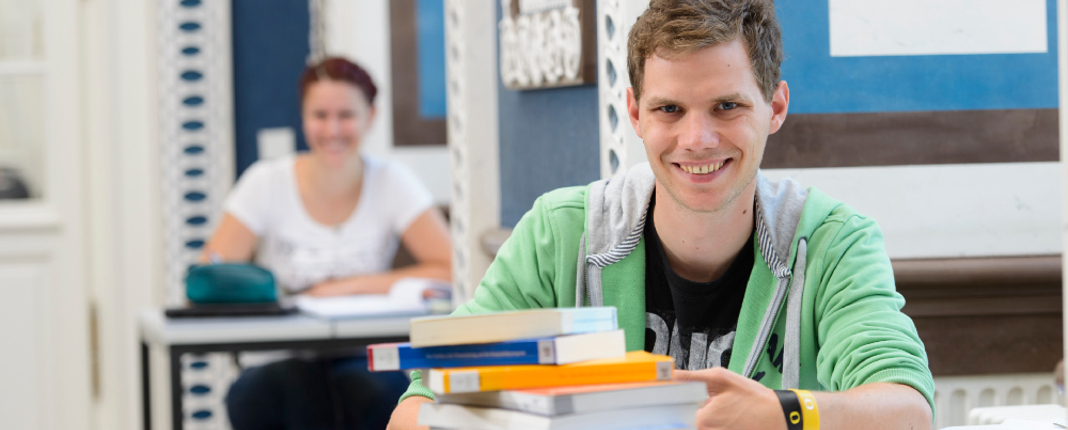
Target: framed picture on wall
548, 43
417, 48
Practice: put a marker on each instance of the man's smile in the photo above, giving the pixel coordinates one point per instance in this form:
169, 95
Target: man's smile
702, 169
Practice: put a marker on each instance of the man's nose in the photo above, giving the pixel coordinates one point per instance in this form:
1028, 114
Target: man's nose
698, 132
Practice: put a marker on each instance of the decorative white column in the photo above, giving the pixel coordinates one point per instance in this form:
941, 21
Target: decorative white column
620, 146
196, 129
471, 70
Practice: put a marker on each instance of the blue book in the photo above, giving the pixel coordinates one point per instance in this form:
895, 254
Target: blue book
549, 350
511, 325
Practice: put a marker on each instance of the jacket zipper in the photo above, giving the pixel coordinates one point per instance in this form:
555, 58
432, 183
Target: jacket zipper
774, 321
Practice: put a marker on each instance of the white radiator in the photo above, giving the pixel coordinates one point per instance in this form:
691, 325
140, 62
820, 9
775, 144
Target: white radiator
955, 396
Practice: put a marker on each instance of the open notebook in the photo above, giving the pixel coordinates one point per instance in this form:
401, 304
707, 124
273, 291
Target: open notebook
408, 296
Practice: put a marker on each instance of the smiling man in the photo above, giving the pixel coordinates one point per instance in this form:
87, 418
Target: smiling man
779, 298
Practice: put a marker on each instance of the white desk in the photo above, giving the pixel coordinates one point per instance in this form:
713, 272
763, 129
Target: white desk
164, 341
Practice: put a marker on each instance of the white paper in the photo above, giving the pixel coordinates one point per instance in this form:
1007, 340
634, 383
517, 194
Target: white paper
405, 298
936, 27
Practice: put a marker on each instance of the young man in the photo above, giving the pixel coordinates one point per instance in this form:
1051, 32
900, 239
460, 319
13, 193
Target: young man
753, 286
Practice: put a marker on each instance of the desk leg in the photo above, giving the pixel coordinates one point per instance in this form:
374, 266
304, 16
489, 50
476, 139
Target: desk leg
177, 415
146, 391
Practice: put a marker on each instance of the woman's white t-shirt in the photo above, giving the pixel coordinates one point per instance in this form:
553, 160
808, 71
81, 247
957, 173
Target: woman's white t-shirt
300, 251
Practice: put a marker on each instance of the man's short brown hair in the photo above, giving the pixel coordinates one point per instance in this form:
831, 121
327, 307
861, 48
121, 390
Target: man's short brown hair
678, 27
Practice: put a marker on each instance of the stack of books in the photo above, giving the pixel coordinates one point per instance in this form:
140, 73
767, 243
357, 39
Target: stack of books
544, 369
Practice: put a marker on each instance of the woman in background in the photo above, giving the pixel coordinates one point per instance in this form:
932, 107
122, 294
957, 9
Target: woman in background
327, 222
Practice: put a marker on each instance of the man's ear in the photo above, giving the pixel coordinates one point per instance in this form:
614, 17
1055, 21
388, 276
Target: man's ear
632, 111
780, 103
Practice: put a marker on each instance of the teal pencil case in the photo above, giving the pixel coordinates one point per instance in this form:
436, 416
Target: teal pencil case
230, 283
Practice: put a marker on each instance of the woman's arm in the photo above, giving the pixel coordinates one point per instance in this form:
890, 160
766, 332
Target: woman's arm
232, 241
427, 238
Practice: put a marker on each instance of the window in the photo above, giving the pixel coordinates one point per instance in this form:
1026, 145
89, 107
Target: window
22, 83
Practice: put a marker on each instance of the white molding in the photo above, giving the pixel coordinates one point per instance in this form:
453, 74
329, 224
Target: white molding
471, 59
66, 384
23, 67
620, 145
123, 203
32, 215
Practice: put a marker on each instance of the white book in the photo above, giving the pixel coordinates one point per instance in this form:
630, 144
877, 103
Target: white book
580, 399
510, 325
448, 416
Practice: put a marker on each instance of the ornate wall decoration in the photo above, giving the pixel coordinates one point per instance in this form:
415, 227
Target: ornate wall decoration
547, 43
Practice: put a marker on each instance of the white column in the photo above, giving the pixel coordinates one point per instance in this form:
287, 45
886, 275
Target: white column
195, 87
471, 71
620, 146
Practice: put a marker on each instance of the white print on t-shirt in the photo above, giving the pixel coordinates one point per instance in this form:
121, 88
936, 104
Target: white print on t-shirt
301, 266
703, 354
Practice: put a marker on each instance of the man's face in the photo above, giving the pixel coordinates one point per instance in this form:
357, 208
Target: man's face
705, 123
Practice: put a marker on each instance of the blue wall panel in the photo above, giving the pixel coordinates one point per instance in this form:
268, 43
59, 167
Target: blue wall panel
548, 139
430, 38
820, 83
270, 49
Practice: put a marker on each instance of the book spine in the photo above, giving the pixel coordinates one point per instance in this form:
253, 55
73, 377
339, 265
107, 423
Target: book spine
446, 381
403, 356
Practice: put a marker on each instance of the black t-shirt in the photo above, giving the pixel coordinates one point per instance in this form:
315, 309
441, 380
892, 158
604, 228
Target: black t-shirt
702, 316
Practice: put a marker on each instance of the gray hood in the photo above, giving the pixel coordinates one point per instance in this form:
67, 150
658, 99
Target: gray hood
616, 214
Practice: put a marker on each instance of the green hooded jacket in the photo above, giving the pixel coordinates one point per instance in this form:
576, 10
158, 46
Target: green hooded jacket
843, 329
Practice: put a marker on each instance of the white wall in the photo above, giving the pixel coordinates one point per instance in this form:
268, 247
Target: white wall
123, 203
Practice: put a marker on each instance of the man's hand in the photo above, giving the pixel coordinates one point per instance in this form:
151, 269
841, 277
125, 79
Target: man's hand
406, 414
735, 402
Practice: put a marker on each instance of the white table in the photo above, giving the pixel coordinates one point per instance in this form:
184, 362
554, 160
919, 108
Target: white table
165, 340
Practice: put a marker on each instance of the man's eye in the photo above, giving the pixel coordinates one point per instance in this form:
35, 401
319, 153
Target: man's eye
669, 109
728, 105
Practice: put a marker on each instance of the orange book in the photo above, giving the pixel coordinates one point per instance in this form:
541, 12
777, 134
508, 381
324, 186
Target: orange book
635, 366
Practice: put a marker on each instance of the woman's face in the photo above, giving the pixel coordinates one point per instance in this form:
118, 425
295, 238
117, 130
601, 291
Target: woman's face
336, 115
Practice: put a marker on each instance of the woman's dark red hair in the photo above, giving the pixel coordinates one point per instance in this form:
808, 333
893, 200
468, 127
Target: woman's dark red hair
338, 69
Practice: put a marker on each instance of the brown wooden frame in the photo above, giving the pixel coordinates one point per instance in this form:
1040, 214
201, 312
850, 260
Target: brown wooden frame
409, 128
